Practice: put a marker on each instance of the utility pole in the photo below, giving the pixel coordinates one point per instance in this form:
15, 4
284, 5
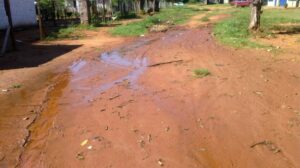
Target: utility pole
11, 27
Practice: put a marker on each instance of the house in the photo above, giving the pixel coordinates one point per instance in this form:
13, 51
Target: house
290, 3
23, 13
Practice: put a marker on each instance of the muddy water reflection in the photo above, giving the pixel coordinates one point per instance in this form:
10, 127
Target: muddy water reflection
139, 65
93, 77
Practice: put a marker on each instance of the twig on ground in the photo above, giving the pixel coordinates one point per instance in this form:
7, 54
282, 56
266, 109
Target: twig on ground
163, 63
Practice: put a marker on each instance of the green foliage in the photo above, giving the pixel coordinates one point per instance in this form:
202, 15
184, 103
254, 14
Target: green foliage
47, 4
175, 15
234, 31
71, 32
200, 73
16, 86
205, 19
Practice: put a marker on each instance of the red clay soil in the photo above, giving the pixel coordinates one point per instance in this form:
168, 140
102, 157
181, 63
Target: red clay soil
124, 107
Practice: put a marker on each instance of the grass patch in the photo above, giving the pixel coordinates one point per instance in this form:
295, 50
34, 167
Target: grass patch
200, 73
234, 31
175, 15
16, 86
71, 32
205, 19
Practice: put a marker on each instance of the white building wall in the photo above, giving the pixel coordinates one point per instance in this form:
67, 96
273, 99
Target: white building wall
291, 3
22, 11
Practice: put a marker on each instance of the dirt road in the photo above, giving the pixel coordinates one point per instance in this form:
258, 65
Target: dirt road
121, 108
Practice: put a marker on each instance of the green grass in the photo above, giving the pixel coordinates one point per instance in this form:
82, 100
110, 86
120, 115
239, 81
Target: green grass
205, 19
16, 86
175, 15
71, 32
200, 73
234, 31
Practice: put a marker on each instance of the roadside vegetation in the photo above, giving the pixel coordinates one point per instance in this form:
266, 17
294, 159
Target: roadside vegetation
234, 30
168, 16
70, 32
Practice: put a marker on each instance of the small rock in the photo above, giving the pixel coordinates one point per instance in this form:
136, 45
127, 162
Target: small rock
106, 128
4, 90
167, 129
258, 93
80, 156
25, 118
149, 138
142, 143
90, 147
160, 162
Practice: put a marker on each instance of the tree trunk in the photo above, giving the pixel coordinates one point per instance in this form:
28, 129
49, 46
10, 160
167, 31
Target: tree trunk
255, 15
85, 16
142, 5
151, 6
297, 3
156, 5
104, 11
137, 4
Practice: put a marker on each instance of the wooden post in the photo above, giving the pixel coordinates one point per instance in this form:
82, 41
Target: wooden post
40, 20
8, 13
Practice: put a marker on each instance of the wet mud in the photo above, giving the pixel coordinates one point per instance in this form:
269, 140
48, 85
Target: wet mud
113, 110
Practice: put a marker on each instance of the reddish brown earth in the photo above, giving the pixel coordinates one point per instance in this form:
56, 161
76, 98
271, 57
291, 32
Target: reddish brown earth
115, 108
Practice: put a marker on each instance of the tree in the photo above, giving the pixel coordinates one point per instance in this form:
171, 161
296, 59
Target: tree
297, 3
85, 15
156, 5
137, 6
255, 15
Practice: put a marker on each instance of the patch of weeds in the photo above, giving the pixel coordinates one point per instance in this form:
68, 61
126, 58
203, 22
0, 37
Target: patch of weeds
234, 31
200, 73
200, 9
175, 15
205, 19
16, 86
131, 15
71, 32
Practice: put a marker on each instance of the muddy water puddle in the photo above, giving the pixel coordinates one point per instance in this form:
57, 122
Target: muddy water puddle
91, 78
